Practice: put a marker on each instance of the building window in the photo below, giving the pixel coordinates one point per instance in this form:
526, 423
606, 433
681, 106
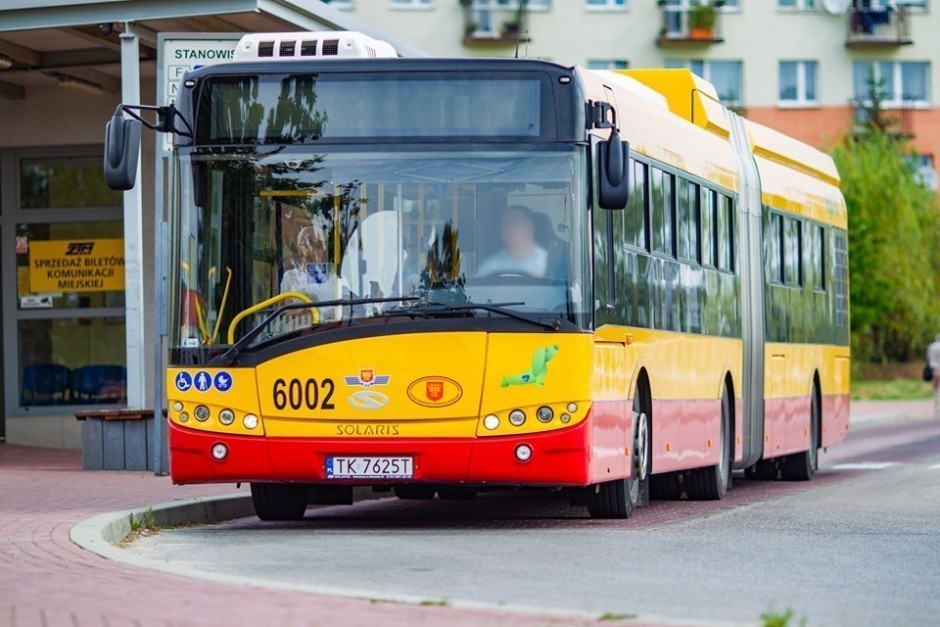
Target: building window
406, 4
69, 312
607, 64
901, 82
798, 82
66, 183
605, 5
342, 4
724, 75
802, 5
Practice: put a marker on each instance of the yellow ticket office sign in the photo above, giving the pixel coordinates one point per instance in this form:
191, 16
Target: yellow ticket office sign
87, 265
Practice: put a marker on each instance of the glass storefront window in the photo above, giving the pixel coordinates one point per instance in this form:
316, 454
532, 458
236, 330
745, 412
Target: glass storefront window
72, 361
62, 183
70, 265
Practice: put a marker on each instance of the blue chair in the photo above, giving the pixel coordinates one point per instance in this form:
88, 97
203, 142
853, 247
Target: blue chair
45, 384
100, 384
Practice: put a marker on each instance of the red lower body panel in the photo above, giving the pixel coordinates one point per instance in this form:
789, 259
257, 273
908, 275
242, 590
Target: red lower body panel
787, 423
559, 458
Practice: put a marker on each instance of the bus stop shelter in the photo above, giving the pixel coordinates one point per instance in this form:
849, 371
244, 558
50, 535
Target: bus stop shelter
64, 67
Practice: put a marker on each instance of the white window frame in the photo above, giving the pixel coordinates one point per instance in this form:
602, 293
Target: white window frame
895, 101
609, 6
342, 5
609, 64
410, 5
801, 102
801, 6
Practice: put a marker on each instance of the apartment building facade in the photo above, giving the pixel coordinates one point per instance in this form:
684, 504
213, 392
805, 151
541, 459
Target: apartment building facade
800, 66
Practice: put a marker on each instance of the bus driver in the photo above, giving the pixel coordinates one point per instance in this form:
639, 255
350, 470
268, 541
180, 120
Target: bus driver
521, 254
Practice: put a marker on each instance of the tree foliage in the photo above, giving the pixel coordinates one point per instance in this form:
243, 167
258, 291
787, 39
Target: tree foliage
894, 261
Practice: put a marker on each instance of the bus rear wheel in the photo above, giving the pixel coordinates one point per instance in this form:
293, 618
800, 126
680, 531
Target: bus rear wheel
279, 501
802, 466
711, 483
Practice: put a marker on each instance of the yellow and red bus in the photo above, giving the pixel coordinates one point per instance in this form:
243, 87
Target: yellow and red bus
442, 276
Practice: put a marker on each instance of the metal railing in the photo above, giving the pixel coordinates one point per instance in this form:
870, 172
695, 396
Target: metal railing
881, 26
684, 23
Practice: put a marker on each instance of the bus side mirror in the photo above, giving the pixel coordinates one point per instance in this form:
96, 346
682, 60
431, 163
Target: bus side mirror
121, 151
613, 172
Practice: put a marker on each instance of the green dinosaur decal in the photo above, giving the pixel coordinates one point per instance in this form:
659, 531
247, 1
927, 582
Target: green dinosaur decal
535, 374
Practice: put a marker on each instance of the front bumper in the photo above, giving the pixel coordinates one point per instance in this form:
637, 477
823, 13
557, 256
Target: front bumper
560, 458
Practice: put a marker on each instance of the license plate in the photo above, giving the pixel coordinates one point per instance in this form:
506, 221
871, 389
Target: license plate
369, 467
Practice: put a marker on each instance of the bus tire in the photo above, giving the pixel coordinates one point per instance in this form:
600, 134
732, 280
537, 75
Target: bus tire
642, 445
279, 501
802, 466
414, 492
457, 494
619, 498
711, 483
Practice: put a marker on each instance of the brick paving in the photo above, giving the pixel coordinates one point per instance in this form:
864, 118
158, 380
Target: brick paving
47, 580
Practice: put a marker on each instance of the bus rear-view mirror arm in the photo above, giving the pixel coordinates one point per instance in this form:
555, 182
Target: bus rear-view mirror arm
613, 171
122, 140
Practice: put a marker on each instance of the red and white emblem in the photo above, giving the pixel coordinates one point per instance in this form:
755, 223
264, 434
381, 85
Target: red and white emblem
434, 390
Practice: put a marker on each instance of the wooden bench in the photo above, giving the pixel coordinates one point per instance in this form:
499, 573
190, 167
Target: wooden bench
116, 439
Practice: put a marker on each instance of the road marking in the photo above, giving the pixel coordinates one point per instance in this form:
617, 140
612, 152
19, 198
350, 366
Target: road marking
865, 466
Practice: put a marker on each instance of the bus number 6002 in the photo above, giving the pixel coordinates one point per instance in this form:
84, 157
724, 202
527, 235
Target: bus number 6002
298, 393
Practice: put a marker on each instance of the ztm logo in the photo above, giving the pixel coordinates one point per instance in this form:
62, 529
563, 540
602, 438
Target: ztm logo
80, 248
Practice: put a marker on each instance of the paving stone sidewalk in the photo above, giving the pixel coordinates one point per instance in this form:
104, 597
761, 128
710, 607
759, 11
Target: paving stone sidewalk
47, 580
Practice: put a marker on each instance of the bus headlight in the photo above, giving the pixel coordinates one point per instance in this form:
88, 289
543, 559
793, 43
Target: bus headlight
545, 414
572, 407
177, 406
523, 452
226, 416
201, 413
491, 422
250, 421
517, 417
184, 417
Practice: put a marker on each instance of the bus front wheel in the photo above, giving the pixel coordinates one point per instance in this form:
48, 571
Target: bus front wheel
279, 501
619, 498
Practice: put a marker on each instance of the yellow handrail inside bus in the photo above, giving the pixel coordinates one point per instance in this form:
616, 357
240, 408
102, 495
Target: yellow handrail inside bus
201, 321
267, 303
218, 321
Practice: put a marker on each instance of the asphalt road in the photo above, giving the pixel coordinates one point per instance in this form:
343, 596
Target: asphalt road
860, 545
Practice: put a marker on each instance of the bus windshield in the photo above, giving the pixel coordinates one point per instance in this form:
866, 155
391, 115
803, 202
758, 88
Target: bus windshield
265, 227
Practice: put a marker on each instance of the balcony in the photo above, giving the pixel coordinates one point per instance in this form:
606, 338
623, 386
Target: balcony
687, 24
882, 27
494, 22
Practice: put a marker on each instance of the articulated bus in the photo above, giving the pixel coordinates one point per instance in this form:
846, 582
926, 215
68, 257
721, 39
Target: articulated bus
446, 276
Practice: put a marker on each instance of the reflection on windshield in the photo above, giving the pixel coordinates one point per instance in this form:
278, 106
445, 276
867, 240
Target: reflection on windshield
261, 230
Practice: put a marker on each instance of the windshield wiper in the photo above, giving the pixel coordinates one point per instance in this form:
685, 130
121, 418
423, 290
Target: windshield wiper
431, 309
228, 357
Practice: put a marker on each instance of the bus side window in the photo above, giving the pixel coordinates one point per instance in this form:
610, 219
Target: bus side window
683, 221
635, 217
707, 209
725, 233
820, 259
777, 252
694, 225
657, 204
